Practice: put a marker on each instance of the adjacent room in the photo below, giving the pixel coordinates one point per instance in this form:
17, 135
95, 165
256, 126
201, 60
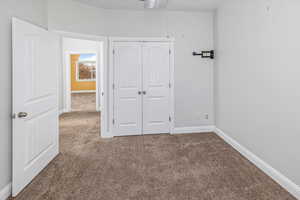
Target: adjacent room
83, 81
149, 100
80, 83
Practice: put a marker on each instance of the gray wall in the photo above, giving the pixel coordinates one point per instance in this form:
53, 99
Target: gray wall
193, 31
258, 79
34, 11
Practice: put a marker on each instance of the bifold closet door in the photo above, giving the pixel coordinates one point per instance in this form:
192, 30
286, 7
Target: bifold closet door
156, 80
127, 60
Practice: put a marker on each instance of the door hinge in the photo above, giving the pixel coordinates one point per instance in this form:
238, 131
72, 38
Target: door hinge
114, 51
113, 86
170, 52
113, 121
170, 119
170, 85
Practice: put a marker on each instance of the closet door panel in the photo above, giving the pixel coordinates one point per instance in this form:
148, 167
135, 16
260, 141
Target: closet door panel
128, 82
156, 79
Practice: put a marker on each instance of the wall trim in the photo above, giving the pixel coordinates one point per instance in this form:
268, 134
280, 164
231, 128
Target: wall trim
106, 135
5, 192
282, 180
83, 91
62, 111
99, 109
193, 129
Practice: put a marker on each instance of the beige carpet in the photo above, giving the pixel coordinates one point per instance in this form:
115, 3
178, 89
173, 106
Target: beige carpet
159, 167
83, 101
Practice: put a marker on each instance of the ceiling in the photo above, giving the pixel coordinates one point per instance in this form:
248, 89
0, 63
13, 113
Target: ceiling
184, 5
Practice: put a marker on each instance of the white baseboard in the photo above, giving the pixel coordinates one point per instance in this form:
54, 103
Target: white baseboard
62, 111
83, 91
196, 129
5, 192
282, 180
106, 135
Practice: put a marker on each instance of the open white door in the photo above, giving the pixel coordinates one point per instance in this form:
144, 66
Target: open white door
35, 101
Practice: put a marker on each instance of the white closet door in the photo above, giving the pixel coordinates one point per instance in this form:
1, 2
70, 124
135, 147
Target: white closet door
156, 79
128, 83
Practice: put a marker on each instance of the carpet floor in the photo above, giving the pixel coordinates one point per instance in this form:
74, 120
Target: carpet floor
83, 102
154, 167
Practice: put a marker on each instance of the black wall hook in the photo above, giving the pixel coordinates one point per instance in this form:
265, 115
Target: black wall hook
205, 54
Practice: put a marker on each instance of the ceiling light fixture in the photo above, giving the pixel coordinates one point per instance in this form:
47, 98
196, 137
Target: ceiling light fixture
151, 3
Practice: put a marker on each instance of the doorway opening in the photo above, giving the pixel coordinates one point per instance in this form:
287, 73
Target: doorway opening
83, 82
83, 79
83, 64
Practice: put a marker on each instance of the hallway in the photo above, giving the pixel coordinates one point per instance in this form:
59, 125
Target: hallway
83, 102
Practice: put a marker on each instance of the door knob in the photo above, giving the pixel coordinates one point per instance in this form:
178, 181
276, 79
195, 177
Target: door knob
139, 92
22, 114
144, 92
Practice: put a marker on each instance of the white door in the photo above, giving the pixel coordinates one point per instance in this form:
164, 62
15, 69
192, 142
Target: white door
35, 101
127, 60
156, 91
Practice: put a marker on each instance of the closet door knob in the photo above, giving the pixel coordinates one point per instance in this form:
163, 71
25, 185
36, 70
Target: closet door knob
139, 92
144, 92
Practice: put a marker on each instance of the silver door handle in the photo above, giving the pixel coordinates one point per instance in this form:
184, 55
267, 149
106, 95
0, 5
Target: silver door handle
22, 114
144, 92
139, 92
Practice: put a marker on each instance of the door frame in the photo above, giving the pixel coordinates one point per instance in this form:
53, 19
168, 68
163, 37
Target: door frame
169, 40
103, 69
